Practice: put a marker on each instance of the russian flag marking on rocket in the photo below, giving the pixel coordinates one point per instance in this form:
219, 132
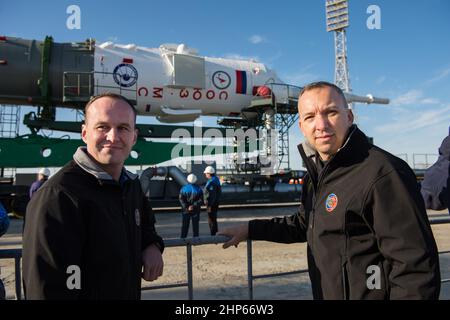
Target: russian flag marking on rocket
241, 82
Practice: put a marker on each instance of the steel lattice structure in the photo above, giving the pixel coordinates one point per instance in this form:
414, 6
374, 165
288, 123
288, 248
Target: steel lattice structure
337, 21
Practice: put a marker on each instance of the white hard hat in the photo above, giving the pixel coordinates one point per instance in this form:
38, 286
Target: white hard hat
44, 172
210, 170
192, 178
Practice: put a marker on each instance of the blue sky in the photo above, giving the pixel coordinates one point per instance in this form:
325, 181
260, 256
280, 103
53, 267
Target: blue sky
407, 60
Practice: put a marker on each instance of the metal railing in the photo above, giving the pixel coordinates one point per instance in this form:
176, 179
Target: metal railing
16, 254
423, 160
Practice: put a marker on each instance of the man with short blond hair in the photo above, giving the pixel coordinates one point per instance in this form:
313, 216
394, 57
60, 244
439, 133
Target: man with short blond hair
91, 234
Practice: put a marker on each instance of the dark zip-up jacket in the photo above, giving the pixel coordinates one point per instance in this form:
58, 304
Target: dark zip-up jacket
365, 224
82, 217
191, 195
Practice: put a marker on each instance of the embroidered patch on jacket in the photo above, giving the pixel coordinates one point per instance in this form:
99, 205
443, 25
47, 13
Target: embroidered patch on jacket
137, 217
331, 202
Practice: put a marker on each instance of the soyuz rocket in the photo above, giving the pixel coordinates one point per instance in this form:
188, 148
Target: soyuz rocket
173, 82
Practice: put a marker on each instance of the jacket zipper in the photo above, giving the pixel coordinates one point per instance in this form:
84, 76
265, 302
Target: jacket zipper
345, 284
316, 192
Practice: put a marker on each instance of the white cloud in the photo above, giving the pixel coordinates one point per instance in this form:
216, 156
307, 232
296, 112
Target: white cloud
256, 38
413, 97
410, 97
415, 120
429, 101
442, 74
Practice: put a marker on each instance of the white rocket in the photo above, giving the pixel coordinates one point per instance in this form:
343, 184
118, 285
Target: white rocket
171, 82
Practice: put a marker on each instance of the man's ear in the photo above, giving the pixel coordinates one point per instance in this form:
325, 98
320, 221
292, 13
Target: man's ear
83, 133
300, 125
350, 116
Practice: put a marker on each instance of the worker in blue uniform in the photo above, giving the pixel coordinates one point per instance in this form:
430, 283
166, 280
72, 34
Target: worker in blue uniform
213, 191
191, 199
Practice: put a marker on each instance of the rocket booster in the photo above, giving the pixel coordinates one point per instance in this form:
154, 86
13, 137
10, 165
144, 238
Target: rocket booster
171, 82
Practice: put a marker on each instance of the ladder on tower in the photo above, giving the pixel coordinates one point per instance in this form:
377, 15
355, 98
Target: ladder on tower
9, 128
283, 122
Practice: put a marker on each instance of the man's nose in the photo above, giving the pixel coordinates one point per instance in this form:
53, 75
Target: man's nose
113, 134
321, 122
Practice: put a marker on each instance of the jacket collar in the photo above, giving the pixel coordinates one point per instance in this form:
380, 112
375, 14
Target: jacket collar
83, 160
354, 146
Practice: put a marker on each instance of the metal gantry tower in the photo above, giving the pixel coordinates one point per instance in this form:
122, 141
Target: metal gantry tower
337, 21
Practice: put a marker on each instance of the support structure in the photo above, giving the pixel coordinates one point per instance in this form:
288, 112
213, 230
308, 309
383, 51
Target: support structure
284, 122
9, 128
337, 21
273, 116
341, 78
9, 121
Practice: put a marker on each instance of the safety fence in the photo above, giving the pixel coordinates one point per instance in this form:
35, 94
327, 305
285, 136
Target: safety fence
16, 254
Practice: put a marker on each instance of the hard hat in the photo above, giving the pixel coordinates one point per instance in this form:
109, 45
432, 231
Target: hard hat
44, 172
210, 170
192, 178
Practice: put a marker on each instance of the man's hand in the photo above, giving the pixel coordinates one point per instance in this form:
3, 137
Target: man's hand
191, 208
153, 263
237, 235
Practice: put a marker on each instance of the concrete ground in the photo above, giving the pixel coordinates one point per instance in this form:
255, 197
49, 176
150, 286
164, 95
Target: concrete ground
222, 274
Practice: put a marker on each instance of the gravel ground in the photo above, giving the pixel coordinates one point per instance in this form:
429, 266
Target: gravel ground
222, 274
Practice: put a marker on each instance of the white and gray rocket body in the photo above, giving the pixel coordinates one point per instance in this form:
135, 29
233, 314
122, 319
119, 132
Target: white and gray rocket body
172, 82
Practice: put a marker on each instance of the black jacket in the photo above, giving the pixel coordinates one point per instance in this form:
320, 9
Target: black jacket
82, 217
363, 211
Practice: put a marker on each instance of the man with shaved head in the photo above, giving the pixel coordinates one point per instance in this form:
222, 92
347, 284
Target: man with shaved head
91, 232
361, 212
